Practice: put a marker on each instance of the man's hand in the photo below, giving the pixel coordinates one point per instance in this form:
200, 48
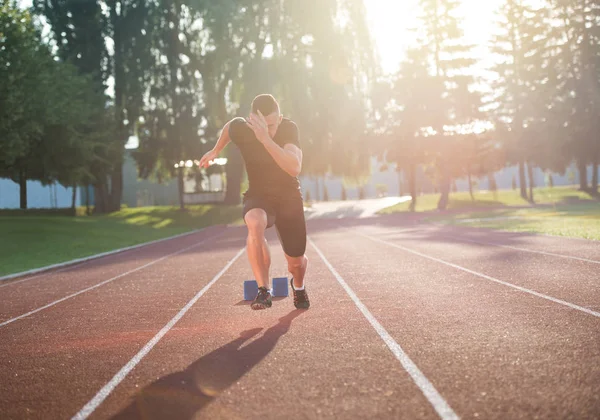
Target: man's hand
258, 124
207, 158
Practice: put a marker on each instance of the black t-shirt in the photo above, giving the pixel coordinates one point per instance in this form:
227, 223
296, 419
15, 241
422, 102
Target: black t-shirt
265, 176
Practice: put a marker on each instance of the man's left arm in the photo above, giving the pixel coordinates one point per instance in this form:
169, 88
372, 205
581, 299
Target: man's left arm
288, 157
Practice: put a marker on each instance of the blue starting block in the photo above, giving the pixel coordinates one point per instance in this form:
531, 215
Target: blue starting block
250, 289
279, 288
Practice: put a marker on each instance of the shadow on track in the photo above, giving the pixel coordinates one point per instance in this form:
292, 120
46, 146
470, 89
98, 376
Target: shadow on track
182, 395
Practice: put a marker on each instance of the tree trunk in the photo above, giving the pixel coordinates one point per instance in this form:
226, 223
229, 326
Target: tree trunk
113, 199
470, 184
400, 182
583, 183
595, 168
412, 185
74, 198
531, 180
116, 188
22, 190
173, 8
180, 187
444, 187
522, 181
100, 198
87, 200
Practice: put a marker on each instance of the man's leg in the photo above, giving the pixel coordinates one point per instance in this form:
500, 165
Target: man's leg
297, 267
258, 250
291, 229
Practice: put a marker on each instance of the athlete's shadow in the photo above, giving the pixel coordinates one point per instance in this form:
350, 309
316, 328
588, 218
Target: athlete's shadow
182, 395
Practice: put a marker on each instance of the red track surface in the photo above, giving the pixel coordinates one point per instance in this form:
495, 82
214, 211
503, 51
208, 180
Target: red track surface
406, 322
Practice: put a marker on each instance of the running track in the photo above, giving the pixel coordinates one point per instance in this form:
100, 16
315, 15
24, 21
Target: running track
408, 321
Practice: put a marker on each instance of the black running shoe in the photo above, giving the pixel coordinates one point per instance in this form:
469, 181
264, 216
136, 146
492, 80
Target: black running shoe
262, 299
300, 297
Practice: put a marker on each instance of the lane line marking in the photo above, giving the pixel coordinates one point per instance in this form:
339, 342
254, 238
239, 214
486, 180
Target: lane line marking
433, 396
514, 286
78, 262
106, 390
552, 254
105, 282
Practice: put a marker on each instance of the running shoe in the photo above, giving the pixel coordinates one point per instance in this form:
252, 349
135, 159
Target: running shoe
300, 297
262, 299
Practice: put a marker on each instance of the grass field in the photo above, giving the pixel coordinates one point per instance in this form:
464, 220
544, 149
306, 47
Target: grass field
32, 241
560, 211
575, 221
462, 200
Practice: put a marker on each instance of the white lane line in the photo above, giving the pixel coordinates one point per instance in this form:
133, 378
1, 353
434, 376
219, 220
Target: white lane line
514, 286
104, 282
551, 254
433, 396
82, 261
121, 374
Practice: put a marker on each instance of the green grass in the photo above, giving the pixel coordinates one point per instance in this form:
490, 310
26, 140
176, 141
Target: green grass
576, 220
35, 240
462, 200
560, 211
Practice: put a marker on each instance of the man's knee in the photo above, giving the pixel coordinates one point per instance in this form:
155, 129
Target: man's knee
295, 263
256, 221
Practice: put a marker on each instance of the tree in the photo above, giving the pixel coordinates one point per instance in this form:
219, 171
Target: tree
24, 66
407, 107
46, 109
78, 30
449, 56
575, 39
521, 97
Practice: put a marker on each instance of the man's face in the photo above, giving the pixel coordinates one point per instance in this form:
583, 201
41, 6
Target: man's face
273, 120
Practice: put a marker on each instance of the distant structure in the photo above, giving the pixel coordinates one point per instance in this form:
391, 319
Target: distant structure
391, 180
139, 193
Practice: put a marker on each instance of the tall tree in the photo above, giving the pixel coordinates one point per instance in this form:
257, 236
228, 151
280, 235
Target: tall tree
576, 38
450, 60
78, 30
408, 108
518, 103
46, 109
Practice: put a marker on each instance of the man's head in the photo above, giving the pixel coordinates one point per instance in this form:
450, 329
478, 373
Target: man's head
268, 106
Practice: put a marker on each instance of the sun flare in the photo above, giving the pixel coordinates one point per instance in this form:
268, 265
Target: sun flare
392, 21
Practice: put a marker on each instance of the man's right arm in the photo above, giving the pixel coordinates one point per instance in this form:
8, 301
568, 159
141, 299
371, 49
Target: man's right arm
224, 139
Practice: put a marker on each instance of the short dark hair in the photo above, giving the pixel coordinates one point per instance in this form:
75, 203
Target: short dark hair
265, 103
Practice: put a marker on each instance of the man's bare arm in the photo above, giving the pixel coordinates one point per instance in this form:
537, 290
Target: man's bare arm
289, 158
223, 140
212, 154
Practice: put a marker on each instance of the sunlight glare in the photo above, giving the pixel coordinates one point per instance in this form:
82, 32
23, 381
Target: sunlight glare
392, 23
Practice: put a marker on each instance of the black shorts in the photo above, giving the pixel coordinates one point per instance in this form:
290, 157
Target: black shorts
286, 213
